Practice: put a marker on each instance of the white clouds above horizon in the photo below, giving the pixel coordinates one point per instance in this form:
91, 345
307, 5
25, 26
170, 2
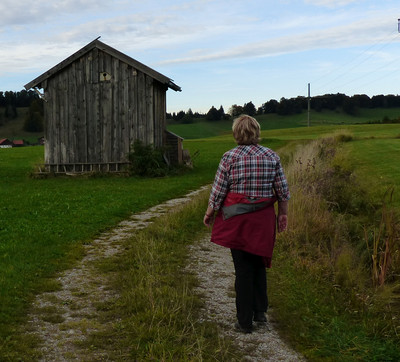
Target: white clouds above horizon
331, 3
179, 35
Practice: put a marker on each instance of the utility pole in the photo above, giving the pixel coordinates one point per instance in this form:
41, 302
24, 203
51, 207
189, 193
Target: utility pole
308, 109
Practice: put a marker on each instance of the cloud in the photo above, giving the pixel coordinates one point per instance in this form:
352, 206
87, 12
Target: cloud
354, 34
139, 28
330, 3
40, 56
39, 11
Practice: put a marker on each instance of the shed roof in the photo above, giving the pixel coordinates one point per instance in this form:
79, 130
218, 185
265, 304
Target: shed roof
37, 82
5, 141
173, 134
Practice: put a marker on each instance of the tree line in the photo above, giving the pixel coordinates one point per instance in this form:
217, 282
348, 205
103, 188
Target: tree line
11, 101
288, 106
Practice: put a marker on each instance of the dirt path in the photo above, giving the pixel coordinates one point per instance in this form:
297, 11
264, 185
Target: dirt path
63, 319
214, 268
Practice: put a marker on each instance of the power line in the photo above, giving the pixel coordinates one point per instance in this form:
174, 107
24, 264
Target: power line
380, 77
358, 56
346, 71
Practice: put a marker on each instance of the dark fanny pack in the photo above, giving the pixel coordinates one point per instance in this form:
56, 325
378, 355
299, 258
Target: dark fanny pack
242, 208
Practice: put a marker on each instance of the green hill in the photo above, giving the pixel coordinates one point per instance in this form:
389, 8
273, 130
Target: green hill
200, 128
204, 129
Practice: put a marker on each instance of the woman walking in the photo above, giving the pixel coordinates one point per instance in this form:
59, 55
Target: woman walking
248, 182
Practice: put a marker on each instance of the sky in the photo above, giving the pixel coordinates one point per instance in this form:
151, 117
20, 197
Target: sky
219, 52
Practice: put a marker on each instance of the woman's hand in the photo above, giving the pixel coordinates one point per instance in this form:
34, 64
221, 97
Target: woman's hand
282, 223
207, 220
208, 217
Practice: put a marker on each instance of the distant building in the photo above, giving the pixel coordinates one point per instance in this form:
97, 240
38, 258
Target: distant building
5, 143
98, 101
18, 143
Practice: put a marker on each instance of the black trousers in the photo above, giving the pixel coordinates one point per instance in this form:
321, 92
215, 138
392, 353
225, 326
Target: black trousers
250, 286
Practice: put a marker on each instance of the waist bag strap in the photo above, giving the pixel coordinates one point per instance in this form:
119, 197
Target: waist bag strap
239, 209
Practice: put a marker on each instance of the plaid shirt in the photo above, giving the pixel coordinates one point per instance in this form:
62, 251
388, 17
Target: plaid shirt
252, 170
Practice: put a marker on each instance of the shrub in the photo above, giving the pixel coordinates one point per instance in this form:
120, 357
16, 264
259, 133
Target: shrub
147, 161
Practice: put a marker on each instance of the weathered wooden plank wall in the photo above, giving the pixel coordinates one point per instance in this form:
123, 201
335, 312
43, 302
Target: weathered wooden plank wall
91, 120
80, 144
94, 114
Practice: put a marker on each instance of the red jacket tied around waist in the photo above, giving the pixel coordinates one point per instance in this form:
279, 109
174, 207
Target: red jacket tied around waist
252, 231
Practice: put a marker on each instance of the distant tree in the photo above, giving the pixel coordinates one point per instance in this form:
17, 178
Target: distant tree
213, 114
299, 104
378, 101
339, 98
362, 100
188, 117
179, 115
10, 111
317, 103
34, 117
349, 106
221, 112
285, 107
2, 99
249, 109
392, 100
10, 105
328, 101
235, 110
270, 106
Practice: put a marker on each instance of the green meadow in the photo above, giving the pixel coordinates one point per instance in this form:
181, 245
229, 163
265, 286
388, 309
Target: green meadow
203, 129
45, 222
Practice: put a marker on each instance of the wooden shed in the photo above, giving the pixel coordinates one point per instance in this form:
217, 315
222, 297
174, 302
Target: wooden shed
98, 102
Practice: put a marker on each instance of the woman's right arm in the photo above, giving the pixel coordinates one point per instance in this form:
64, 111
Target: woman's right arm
218, 192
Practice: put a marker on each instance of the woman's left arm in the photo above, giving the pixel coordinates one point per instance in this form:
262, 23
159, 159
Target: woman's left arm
282, 215
283, 195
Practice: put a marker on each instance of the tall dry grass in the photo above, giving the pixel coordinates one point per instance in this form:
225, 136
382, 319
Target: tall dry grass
317, 236
335, 234
383, 243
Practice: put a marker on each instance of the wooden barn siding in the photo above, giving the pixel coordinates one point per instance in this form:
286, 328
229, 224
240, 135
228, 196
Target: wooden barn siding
91, 121
160, 115
94, 114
